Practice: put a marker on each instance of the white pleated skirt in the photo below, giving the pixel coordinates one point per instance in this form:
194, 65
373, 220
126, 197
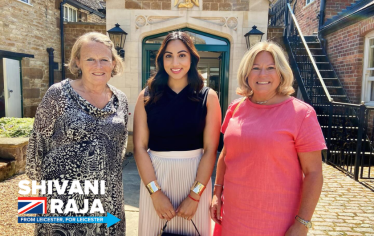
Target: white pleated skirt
175, 173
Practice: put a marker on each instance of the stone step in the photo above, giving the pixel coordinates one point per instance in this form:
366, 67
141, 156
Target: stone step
7, 169
12, 156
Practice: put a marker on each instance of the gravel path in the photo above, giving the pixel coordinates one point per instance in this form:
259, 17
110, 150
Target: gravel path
9, 209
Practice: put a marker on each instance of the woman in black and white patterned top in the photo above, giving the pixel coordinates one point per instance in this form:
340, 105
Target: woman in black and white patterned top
80, 133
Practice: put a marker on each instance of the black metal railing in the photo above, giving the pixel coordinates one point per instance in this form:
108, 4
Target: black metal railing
276, 13
348, 128
366, 159
308, 77
342, 136
350, 137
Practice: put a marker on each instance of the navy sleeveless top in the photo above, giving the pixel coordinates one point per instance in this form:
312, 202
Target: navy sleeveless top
175, 122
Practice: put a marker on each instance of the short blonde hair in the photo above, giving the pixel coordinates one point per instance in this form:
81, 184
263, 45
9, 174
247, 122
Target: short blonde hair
96, 37
281, 65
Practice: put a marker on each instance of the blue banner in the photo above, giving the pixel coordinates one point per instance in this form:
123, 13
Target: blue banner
109, 219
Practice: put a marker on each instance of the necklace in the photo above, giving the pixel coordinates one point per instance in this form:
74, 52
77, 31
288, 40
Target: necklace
97, 100
261, 102
264, 102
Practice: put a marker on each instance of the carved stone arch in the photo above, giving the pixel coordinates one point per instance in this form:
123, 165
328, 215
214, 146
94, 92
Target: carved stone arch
186, 25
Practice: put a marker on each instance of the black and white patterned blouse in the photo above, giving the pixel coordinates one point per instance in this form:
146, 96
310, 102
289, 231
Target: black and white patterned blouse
74, 140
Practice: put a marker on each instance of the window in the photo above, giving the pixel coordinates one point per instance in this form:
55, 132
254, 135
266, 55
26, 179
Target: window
197, 39
307, 2
368, 72
70, 14
26, 1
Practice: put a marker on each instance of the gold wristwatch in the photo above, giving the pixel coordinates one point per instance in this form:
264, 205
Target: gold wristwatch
307, 224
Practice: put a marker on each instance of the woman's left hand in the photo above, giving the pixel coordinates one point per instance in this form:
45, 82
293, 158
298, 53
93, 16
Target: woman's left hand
187, 208
297, 229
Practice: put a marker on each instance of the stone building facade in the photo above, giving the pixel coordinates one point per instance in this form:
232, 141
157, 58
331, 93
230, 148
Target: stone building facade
30, 29
212, 23
27, 29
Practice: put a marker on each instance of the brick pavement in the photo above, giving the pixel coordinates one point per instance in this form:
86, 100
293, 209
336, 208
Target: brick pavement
346, 207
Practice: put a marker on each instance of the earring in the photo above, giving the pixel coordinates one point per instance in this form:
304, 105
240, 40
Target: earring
79, 71
111, 74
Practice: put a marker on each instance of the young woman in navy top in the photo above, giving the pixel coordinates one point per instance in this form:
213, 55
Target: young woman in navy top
176, 134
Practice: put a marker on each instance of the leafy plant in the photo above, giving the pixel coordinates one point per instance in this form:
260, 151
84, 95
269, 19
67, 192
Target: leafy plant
15, 127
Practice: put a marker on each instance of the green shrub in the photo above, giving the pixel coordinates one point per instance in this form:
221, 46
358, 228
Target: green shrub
15, 127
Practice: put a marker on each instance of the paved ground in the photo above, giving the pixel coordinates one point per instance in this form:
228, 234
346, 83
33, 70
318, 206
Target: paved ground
346, 207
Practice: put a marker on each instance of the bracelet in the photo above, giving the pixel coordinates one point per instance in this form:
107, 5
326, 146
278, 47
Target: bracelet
193, 198
198, 188
307, 224
218, 185
153, 187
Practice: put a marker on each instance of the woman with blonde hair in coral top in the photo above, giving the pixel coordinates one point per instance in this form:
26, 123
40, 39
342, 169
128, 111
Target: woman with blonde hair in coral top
269, 173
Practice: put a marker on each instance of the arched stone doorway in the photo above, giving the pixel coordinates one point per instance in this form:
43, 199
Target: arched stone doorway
214, 62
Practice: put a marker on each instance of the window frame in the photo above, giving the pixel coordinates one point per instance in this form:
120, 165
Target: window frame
68, 16
367, 80
28, 2
307, 2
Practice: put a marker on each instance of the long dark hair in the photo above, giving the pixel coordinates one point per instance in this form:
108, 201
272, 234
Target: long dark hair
157, 83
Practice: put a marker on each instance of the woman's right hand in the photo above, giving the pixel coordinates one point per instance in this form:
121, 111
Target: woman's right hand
215, 208
162, 205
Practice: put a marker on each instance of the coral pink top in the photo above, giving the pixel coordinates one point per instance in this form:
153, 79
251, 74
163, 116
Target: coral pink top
263, 178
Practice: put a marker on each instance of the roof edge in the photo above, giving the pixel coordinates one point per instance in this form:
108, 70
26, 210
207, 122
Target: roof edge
348, 20
84, 7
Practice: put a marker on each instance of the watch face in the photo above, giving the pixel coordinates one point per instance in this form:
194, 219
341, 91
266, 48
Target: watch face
309, 225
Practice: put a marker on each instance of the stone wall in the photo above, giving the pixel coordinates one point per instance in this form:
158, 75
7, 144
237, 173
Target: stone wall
345, 48
275, 33
148, 4
207, 5
72, 30
12, 156
31, 30
93, 18
226, 5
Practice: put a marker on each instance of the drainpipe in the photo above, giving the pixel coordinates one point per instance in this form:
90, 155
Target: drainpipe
321, 13
51, 67
62, 39
286, 20
320, 24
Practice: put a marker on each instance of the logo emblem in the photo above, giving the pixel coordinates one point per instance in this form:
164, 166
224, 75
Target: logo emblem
32, 205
